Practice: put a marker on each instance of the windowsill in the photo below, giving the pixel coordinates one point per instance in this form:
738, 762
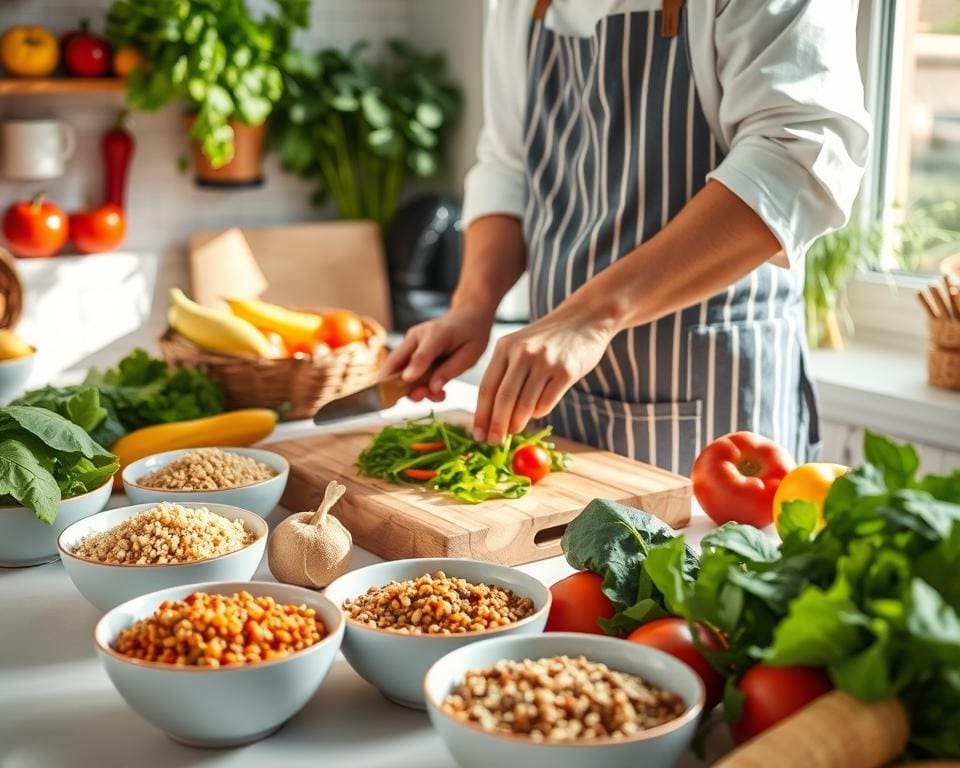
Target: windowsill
883, 387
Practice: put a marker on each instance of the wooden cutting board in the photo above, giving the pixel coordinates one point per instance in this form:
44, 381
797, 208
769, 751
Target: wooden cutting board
397, 521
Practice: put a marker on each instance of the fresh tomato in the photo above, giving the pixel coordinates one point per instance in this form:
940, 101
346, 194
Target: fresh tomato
808, 482
341, 327
531, 461
736, 477
29, 52
672, 635
578, 601
126, 60
420, 474
436, 445
85, 54
35, 228
99, 229
774, 693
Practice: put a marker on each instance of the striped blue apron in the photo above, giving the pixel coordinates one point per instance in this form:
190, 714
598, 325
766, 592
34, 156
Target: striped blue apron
616, 144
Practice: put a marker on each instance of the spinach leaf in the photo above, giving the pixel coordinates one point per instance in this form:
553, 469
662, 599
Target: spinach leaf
749, 543
934, 623
58, 433
898, 463
23, 478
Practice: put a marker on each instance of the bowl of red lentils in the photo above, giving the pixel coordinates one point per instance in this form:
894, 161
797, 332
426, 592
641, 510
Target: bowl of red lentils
402, 616
563, 700
126, 552
251, 478
220, 664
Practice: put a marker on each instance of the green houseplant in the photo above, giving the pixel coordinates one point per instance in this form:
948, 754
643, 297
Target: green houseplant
360, 128
220, 61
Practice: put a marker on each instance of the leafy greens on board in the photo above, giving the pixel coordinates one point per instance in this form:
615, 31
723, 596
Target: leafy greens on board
468, 470
139, 391
45, 457
874, 597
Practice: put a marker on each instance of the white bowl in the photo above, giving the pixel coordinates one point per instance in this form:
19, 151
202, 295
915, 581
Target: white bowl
24, 540
222, 707
14, 375
259, 497
395, 663
106, 584
658, 747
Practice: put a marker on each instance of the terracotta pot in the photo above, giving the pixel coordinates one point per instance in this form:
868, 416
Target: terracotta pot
246, 167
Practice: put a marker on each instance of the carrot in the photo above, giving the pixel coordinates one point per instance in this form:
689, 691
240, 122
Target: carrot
420, 474
435, 445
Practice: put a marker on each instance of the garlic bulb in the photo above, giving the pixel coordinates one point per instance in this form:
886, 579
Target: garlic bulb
311, 549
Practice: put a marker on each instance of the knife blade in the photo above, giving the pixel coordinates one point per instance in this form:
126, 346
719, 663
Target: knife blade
385, 393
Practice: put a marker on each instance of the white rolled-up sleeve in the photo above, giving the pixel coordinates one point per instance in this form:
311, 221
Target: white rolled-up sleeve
496, 183
791, 111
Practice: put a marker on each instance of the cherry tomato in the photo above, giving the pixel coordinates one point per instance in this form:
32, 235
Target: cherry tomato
736, 477
415, 473
430, 447
35, 228
531, 461
341, 327
85, 54
578, 602
775, 693
672, 635
100, 229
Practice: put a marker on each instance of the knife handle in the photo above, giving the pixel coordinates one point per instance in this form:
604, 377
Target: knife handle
393, 388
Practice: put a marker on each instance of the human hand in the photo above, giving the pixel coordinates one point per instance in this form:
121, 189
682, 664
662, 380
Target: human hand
460, 336
532, 368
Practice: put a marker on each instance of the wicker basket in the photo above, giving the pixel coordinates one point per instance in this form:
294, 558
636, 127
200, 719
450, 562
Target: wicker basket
943, 353
303, 383
11, 291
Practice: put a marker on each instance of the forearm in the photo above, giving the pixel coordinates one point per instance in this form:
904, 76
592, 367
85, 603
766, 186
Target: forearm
494, 258
714, 241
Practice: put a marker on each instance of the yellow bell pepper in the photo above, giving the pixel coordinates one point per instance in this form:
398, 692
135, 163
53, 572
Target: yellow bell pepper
808, 482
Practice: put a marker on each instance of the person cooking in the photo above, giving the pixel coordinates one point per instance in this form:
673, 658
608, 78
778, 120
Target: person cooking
660, 169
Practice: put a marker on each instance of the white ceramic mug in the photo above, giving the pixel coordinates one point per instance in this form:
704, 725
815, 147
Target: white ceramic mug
35, 149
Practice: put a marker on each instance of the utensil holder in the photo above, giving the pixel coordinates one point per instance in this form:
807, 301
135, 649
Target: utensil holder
943, 353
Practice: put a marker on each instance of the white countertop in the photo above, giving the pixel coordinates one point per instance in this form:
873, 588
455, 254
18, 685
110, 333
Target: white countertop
58, 707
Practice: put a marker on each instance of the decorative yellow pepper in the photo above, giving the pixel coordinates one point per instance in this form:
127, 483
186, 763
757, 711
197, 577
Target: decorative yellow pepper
808, 482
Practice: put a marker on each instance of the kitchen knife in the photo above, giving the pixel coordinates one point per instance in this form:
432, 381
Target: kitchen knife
376, 397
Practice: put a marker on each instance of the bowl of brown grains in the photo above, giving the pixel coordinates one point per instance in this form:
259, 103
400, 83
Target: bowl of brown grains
404, 615
563, 700
250, 478
126, 552
220, 664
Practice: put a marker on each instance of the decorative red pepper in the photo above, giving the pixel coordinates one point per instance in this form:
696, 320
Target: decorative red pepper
117, 147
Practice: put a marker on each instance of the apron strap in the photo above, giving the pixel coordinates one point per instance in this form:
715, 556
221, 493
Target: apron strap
670, 18
540, 9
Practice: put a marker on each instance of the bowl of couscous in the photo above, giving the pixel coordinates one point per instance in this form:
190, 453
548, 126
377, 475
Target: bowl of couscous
250, 478
220, 664
126, 552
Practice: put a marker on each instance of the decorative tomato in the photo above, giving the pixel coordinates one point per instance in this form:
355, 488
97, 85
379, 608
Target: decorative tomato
578, 601
774, 693
35, 228
531, 461
100, 229
808, 482
85, 54
673, 636
29, 52
341, 327
736, 476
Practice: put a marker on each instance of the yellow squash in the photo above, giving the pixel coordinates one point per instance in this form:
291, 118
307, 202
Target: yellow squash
293, 327
216, 330
237, 428
29, 52
12, 346
808, 482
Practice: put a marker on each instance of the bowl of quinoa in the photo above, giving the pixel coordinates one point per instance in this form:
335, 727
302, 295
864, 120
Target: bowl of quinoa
565, 700
219, 664
251, 478
126, 552
418, 610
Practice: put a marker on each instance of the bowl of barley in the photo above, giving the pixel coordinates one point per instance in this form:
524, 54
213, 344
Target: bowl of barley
126, 552
251, 478
402, 616
563, 700
220, 664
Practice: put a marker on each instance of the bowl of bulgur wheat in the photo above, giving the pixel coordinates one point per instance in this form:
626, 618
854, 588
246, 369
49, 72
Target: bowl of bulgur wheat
126, 552
251, 478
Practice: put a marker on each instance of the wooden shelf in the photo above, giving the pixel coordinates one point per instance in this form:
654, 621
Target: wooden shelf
36, 86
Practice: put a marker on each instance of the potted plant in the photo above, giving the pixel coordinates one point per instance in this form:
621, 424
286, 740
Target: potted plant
360, 128
221, 62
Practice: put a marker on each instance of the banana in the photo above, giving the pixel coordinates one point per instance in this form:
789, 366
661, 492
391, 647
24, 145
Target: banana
293, 327
12, 346
216, 330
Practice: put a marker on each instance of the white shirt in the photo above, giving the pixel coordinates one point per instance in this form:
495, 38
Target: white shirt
778, 82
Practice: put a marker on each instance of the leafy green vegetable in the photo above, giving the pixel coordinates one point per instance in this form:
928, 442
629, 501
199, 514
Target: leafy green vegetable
139, 391
468, 470
24, 479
